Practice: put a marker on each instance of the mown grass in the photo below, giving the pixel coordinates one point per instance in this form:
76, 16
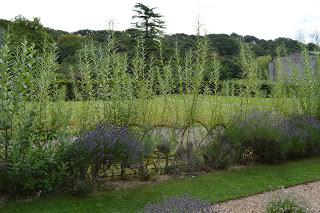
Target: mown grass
214, 187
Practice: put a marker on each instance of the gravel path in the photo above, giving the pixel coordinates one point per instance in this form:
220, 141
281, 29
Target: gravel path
307, 194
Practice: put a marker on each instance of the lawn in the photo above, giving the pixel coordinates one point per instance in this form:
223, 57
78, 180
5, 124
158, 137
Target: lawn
213, 187
174, 110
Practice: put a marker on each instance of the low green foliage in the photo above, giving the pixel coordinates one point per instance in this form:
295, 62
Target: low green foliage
285, 205
272, 138
218, 154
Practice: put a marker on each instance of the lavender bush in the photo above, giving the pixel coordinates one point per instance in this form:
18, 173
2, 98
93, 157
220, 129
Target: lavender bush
183, 204
108, 145
273, 138
303, 138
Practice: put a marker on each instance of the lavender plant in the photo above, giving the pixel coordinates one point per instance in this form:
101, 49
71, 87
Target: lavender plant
180, 204
94, 153
273, 138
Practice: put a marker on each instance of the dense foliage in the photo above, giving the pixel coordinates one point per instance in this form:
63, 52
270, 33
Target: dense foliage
226, 45
270, 138
102, 148
134, 113
29, 134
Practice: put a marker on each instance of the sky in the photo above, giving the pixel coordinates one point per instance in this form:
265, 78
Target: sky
267, 19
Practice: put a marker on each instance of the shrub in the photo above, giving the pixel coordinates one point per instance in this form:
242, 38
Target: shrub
39, 171
302, 134
246, 157
107, 145
256, 136
81, 188
183, 204
271, 138
165, 148
187, 159
173, 170
218, 154
286, 205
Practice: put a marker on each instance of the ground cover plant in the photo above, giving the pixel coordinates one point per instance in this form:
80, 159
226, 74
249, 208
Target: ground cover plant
141, 115
285, 205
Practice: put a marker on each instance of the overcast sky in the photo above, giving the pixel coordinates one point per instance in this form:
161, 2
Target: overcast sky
266, 19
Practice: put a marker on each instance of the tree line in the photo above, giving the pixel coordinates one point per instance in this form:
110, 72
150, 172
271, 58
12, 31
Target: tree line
147, 24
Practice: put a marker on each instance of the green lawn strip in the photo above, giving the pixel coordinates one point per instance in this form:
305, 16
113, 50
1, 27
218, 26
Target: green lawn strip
213, 187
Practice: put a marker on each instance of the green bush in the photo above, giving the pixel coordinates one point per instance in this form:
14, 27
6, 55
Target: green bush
39, 171
268, 138
187, 159
286, 205
81, 188
255, 133
218, 154
32, 123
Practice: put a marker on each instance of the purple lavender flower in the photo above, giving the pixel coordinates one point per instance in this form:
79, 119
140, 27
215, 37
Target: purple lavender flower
180, 205
107, 145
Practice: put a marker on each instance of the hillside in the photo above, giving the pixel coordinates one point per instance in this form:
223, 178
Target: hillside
226, 45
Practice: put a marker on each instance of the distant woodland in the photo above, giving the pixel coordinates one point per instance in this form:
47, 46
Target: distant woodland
227, 46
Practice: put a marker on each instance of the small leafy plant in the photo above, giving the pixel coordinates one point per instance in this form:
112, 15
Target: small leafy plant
285, 205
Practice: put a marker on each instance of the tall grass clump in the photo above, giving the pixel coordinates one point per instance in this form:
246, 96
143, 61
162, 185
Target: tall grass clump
308, 93
250, 71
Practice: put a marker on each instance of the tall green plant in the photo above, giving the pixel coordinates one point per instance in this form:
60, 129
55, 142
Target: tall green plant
250, 72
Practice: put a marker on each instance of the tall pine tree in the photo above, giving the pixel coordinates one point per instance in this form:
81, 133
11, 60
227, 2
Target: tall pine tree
149, 23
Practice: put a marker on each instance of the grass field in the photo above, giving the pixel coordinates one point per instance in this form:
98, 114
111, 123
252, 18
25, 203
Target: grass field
176, 110
213, 187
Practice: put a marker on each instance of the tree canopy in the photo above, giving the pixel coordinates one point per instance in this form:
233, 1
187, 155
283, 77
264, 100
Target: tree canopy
149, 23
31, 30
